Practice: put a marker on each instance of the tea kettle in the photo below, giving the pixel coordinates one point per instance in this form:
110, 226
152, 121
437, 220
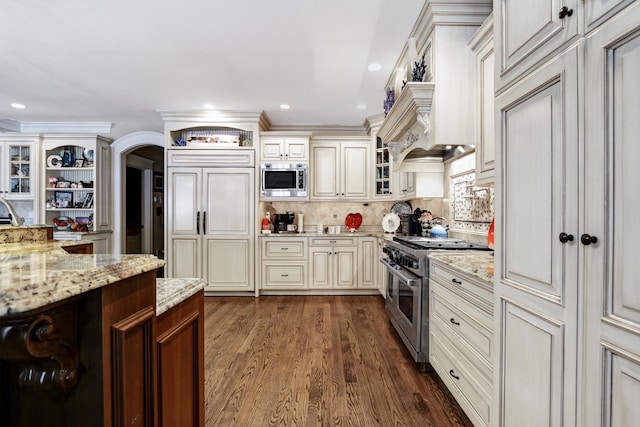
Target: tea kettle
438, 231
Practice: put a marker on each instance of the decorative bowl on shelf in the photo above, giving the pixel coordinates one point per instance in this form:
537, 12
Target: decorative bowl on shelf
62, 223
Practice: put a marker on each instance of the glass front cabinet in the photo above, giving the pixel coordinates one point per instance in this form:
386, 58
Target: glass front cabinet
76, 184
383, 170
19, 173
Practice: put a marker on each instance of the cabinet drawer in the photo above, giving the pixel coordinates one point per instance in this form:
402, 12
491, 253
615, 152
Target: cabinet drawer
279, 276
279, 248
334, 241
474, 330
479, 292
471, 391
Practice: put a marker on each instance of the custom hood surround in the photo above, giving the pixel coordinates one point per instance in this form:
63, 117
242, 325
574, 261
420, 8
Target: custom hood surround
435, 118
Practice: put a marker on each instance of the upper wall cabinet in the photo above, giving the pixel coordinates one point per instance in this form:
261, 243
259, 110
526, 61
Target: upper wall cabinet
529, 31
18, 167
19, 172
598, 11
340, 169
284, 146
482, 45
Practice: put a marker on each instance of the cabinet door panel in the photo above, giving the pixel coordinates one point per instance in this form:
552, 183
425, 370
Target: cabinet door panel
540, 149
532, 369
229, 264
528, 31
611, 276
320, 265
324, 172
184, 200
229, 201
272, 149
624, 383
345, 262
356, 162
184, 257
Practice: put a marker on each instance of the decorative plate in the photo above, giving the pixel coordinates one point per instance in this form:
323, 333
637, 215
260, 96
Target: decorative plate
353, 221
402, 208
391, 222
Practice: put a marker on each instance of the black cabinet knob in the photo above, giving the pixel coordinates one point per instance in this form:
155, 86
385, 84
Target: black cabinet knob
564, 237
586, 239
564, 12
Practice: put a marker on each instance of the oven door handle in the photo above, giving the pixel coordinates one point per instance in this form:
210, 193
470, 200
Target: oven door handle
404, 275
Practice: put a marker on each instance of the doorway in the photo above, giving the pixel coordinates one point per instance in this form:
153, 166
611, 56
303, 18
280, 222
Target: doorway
147, 142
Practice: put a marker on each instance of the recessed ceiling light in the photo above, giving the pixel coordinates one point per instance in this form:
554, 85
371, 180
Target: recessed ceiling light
361, 106
374, 66
18, 106
285, 106
208, 106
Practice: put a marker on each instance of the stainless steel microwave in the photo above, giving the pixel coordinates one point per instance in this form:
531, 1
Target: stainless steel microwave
283, 180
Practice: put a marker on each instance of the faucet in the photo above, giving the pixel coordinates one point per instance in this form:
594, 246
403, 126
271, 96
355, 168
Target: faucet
16, 221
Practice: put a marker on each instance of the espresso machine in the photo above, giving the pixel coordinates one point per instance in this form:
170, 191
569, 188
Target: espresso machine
283, 223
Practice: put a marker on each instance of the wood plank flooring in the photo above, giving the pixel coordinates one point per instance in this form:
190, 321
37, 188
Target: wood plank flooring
315, 361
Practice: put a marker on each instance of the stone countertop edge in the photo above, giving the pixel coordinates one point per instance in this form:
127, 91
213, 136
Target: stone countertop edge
42, 247
171, 292
475, 263
31, 281
330, 235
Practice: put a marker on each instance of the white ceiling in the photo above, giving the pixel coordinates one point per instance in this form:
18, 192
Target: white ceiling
121, 61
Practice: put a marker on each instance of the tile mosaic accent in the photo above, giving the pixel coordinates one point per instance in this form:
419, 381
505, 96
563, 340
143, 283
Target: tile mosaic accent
473, 207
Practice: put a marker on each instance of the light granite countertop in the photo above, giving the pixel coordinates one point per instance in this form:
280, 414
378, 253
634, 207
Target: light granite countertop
171, 292
475, 263
31, 281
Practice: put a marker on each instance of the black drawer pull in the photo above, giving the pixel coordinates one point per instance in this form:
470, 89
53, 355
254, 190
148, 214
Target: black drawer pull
284, 275
453, 374
285, 249
452, 320
456, 281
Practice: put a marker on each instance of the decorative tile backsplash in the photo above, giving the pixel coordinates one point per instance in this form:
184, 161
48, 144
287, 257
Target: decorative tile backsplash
473, 207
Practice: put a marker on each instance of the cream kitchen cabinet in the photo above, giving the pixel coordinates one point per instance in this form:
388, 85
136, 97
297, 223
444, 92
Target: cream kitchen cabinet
607, 243
382, 269
211, 217
284, 146
404, 185
368, 263
535, 30
83, 188
333, 263
284, 263
340, 169
19, 171
18, 157
461, 346
537, 294
482, 45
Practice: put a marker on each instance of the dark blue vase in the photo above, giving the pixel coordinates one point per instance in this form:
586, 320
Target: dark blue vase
68, 158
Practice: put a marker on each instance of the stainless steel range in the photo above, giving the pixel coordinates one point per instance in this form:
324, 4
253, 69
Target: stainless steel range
407, 299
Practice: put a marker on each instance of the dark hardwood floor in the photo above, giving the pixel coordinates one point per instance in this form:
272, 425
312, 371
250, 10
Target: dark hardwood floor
315, 361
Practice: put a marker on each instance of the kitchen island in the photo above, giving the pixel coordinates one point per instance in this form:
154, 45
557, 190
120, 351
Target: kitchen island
79, 338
